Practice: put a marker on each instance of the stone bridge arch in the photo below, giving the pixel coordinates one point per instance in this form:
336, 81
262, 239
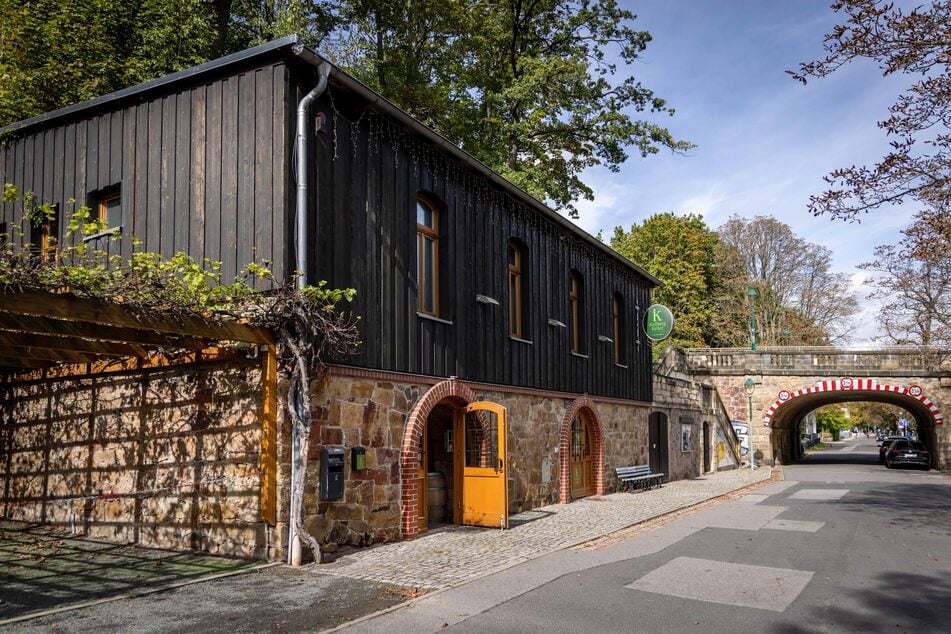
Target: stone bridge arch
784, 414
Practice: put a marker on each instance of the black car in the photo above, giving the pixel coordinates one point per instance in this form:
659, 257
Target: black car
886, 441
907, 452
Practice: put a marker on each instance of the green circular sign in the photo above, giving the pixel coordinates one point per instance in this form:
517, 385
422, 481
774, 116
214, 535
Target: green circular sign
658, 322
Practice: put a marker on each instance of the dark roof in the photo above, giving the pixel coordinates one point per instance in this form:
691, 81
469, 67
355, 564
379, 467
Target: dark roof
290, 46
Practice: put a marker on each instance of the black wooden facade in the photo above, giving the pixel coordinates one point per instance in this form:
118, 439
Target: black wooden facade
204, 163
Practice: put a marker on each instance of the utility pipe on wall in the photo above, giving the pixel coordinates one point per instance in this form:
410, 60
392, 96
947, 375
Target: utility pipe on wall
301, 210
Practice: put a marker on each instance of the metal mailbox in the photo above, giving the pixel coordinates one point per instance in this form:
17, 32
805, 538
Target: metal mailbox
331, 473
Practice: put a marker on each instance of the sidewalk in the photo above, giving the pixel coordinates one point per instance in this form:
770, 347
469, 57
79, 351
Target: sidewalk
455, 555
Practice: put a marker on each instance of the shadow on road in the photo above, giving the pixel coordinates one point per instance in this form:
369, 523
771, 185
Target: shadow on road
898, 602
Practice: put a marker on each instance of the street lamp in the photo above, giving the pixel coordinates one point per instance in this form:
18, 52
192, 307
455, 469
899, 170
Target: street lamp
750, 385
786, 333
752, 294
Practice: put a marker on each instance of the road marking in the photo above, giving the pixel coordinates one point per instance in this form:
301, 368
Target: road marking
748, 586
818, 494
794, 525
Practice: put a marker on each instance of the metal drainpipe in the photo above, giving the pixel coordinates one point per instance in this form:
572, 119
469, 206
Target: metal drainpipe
303, 149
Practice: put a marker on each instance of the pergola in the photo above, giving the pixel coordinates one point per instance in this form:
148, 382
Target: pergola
47, 332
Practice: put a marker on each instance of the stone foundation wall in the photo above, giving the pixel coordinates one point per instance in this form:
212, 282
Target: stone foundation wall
164, 457
352, 412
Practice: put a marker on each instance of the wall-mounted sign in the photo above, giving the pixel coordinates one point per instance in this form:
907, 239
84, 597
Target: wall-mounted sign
658, 322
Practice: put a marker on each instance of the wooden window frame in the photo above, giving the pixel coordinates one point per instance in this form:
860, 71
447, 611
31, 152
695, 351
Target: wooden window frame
423, 233
515, 279
576, 305
42, 236
103, 210
617, 309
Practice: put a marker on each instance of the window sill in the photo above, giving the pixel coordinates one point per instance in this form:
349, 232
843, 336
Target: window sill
579, 355
433, 318
103, 234
520, 340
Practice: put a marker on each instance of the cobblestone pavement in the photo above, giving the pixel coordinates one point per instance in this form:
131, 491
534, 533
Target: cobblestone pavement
454, 555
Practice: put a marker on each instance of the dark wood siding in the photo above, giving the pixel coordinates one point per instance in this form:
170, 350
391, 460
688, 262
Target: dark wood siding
368, 173
202, 169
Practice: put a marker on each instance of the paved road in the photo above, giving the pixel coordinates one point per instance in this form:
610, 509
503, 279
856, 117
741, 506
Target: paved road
841, 545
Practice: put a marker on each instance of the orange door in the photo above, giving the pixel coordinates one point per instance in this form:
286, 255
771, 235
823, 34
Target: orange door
480, 433
582, 466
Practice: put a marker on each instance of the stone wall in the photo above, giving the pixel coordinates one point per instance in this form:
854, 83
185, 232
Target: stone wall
164, 457
372, 413
679, 395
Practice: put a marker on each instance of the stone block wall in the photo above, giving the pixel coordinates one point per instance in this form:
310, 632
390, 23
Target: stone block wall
352, 412
164, 457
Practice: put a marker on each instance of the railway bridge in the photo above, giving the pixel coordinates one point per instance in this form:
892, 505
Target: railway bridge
791, 381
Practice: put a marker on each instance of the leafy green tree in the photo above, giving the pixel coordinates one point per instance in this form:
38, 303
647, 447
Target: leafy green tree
832, 419
533, 89
57, 52
530, 88
678, 250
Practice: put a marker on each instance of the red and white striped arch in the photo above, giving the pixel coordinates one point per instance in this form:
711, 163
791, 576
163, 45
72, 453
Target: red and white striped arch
848, 384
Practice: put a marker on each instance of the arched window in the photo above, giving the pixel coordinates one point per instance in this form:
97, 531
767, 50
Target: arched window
427, 256
518, 289
620, 336
576, 301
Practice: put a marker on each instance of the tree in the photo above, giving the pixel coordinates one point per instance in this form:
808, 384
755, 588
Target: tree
832, 419
56, 52
877, 415
529, 88
914, 42
797, 291
678, 250
913, 282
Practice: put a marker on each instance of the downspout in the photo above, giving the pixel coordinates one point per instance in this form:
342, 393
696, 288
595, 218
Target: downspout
303, 171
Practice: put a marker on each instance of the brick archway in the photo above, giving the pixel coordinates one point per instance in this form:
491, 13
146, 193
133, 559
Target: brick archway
412, 441
586, 407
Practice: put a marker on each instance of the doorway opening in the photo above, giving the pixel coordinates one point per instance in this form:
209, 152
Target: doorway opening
454, 462
706, 447
658, 442
581, 473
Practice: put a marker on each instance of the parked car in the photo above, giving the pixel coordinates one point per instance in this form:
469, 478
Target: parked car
907, 452
886, 441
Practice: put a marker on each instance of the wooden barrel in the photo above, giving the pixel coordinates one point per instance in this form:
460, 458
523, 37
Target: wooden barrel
436, 492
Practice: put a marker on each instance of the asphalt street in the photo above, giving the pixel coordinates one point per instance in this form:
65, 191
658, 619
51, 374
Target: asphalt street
841, 545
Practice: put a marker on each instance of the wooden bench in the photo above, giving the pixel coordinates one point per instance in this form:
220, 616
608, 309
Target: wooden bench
633, 476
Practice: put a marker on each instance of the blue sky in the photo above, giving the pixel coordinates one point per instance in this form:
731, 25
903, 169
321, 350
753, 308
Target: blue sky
764, 141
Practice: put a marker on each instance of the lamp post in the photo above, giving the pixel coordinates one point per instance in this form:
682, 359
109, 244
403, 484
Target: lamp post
752, 294
750, 385
786, 333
